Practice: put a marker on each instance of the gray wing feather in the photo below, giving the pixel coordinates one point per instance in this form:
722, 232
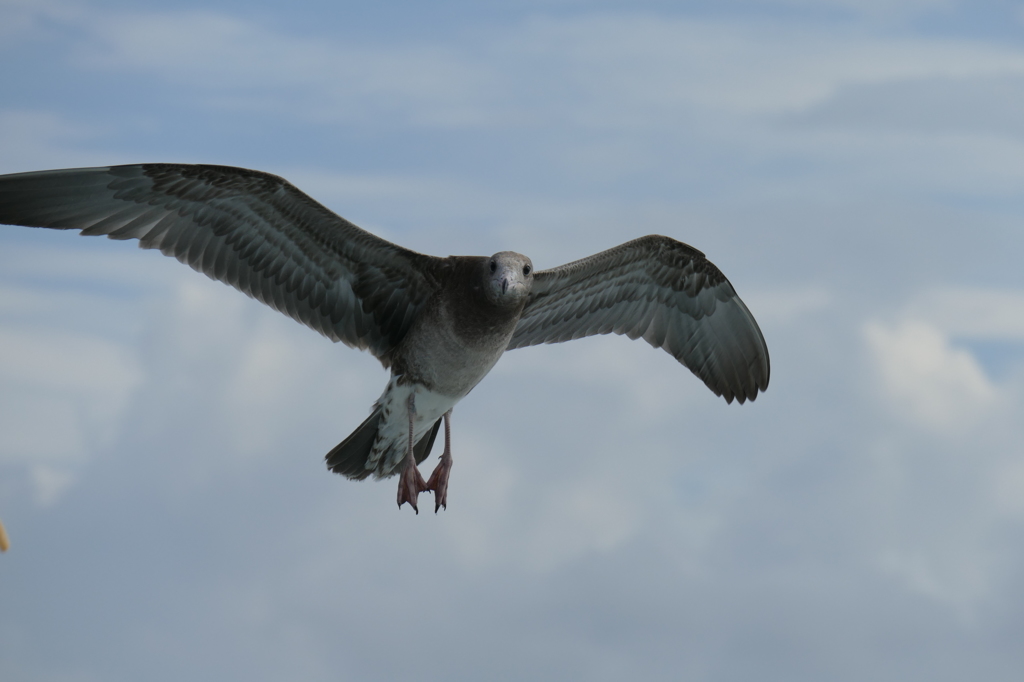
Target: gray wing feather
663, 291
252, 230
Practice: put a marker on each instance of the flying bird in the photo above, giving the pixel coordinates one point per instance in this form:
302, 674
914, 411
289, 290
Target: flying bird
439, 324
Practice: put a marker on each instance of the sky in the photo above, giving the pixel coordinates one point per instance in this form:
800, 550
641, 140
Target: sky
856, 168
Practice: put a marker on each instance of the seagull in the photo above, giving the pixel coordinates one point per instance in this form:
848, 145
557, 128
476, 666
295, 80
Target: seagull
438, 324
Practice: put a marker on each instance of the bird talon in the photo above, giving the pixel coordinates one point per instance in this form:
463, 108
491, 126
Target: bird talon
438, 482
410, 485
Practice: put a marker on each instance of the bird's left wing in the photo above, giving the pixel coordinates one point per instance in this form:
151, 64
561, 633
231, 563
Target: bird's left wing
252, 230
664, 291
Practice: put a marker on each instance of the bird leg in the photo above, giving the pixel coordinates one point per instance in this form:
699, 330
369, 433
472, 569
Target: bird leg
410, 483
439, 479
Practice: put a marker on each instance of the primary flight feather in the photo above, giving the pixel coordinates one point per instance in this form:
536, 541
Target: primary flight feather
439, 324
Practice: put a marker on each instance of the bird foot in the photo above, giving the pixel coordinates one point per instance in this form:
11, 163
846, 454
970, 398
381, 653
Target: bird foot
410, 484
439, 482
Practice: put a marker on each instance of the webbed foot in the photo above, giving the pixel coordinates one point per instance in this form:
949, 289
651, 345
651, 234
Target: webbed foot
410, 484
439, 479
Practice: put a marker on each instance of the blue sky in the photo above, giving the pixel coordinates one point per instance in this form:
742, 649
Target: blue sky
855, 168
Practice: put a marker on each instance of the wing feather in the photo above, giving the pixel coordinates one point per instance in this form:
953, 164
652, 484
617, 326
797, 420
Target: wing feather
663, 291
251, 230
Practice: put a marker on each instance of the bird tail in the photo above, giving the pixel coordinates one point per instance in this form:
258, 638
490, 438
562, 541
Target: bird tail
348, 457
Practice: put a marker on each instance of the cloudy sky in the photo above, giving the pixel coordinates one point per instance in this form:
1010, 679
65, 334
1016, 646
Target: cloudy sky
855, 167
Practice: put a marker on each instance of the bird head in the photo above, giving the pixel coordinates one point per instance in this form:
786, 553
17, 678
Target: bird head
509, 277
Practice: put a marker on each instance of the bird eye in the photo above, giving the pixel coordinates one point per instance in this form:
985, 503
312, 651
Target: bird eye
494, 266
526, 269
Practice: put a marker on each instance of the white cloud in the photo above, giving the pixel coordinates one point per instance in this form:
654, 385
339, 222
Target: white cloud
785, 306
74, 390
586, 516
239, 62
50, 483
979, 103
642, 64
871, 8
22, 20
953, 574
599, 70
1008, 485
42, 139
537, 524
973, 312
763, 89
926, 379
40, 425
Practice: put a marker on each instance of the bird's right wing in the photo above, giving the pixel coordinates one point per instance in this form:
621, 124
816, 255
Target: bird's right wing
252, 230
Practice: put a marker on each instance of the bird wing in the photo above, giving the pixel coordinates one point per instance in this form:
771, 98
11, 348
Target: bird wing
659, 289
252, 230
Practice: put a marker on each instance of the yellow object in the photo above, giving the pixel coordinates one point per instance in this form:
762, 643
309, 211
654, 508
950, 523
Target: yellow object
4, 542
